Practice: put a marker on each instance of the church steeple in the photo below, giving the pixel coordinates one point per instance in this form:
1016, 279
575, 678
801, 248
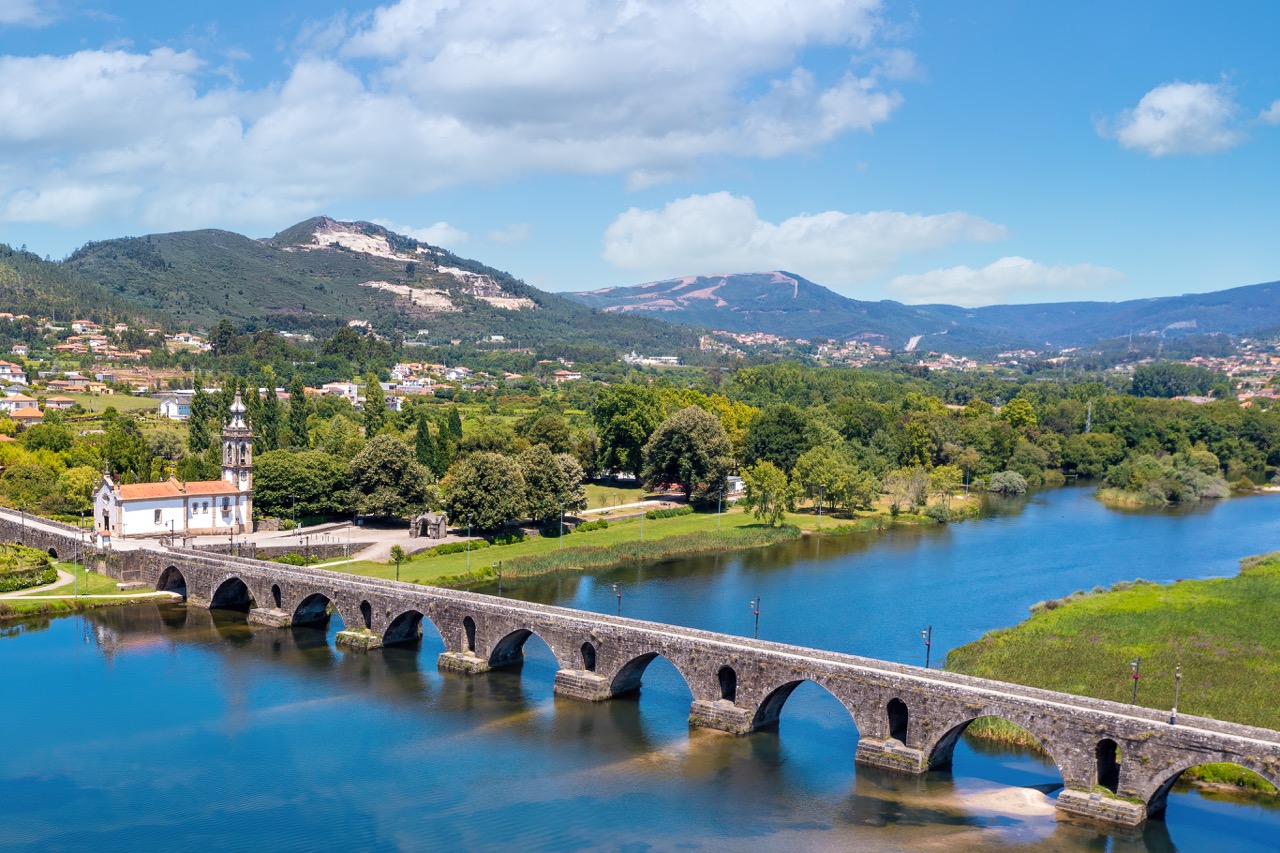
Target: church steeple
237, 449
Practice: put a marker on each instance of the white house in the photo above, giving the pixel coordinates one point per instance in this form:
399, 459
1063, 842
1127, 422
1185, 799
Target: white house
176, 405
203, 507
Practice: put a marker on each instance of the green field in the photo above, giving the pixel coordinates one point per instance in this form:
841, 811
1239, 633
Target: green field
121, 402
1225, 634
603, 496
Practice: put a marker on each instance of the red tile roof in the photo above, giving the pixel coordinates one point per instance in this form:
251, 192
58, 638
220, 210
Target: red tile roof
172, 488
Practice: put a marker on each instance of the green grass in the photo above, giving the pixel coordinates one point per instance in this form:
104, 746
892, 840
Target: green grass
121, 402
432, 570
602, 496
90, 584
1225, 633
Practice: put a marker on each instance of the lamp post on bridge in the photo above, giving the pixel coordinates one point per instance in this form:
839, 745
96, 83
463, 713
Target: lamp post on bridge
1177, 688
1135, 667
617, 593
497, 567
755, 609
927, 636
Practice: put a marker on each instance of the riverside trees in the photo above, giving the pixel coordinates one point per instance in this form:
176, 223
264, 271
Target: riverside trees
690, 448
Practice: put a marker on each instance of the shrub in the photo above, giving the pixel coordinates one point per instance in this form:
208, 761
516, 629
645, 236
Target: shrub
598, 524
455, 548
670, 512
27, 578
507, 537
1007, 483
937, 512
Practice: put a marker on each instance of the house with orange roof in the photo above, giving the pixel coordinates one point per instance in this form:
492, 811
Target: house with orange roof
223, 507
27, 416
58, 403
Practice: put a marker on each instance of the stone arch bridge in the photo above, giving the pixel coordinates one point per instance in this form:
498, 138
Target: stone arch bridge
1118, 762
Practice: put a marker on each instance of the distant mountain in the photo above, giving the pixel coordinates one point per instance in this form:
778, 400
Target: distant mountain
40, 288
786, 304
322, 272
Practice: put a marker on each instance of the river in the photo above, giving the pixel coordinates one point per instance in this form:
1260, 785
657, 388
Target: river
157, 726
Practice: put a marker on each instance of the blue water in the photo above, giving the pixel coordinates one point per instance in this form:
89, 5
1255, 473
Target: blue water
156, 727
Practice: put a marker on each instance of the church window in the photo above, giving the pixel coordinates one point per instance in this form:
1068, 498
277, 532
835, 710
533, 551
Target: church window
205, 507
157, 516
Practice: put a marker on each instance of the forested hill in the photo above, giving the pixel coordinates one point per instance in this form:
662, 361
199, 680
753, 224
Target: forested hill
40, 288
789, 305
322, 273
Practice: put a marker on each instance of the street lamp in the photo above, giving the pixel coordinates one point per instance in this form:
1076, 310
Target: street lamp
561, 527
1177, 688
755, 608
1135, 667
468, 541
927, 636
618, 595
22, 537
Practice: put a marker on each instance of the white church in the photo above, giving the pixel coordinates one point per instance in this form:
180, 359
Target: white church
206, 507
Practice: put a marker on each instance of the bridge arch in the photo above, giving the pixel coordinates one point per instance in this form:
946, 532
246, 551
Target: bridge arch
770, 709
232, 594
899, 719
728, 678
941, 748
275, 595
53, 552
588, 657
1156, 790
313, 609
629, 676
366, 615
407, 628
172, 580
510, 649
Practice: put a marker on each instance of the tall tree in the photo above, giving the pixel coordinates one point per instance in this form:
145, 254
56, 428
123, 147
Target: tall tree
455, 423
424, 446
779, 435
485, 489
690, 448
299, 436
375, 406
267, 428
625, 417
768, 493
545, 485
198, 437
387, 480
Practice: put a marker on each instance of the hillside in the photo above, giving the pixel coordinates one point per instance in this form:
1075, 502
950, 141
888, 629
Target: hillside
322, 273
40, 288
786, 304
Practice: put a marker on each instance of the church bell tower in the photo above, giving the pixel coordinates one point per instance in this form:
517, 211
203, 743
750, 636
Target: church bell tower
237, 449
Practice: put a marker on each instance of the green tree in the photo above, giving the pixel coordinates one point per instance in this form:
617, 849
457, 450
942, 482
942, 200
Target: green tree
455, 423
124, 448
1019, 413
945, 481
625, 417
304, 483
386, 480
375, 406
424, 446
299, 436
549, 429
768, 493
690, 448
585, 447
487, 489
266, 428
202, 410
779, 435
76, 486
47, 436
547, 489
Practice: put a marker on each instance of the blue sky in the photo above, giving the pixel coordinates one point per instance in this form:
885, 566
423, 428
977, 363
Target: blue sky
974, 153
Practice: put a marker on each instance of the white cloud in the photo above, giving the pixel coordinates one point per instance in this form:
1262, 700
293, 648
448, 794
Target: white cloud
721, 232
24, 13
1271, 115
426, 94
441, 234
1009, 278
517, 233
1179, 118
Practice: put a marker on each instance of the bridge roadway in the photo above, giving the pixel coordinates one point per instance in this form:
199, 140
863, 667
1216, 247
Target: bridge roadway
1118, 762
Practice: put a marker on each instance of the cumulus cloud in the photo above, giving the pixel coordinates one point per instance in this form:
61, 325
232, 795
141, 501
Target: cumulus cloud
1179, 118
1271, 115
24, 13
425, 94
1008, 279
721, 232
441, 234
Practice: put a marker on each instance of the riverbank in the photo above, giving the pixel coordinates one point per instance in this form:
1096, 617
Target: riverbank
625, 541
93, 590
1223, 633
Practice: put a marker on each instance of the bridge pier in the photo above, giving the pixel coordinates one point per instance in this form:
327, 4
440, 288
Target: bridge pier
891, 755
358, 641
463, 662
1101, 807
584, 685
721, 715
270, 617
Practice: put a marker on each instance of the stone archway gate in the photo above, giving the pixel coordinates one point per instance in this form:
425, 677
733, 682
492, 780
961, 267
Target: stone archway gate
908, 718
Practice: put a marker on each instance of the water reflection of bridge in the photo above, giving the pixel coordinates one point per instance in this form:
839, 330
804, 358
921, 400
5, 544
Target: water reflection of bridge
1117, 762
